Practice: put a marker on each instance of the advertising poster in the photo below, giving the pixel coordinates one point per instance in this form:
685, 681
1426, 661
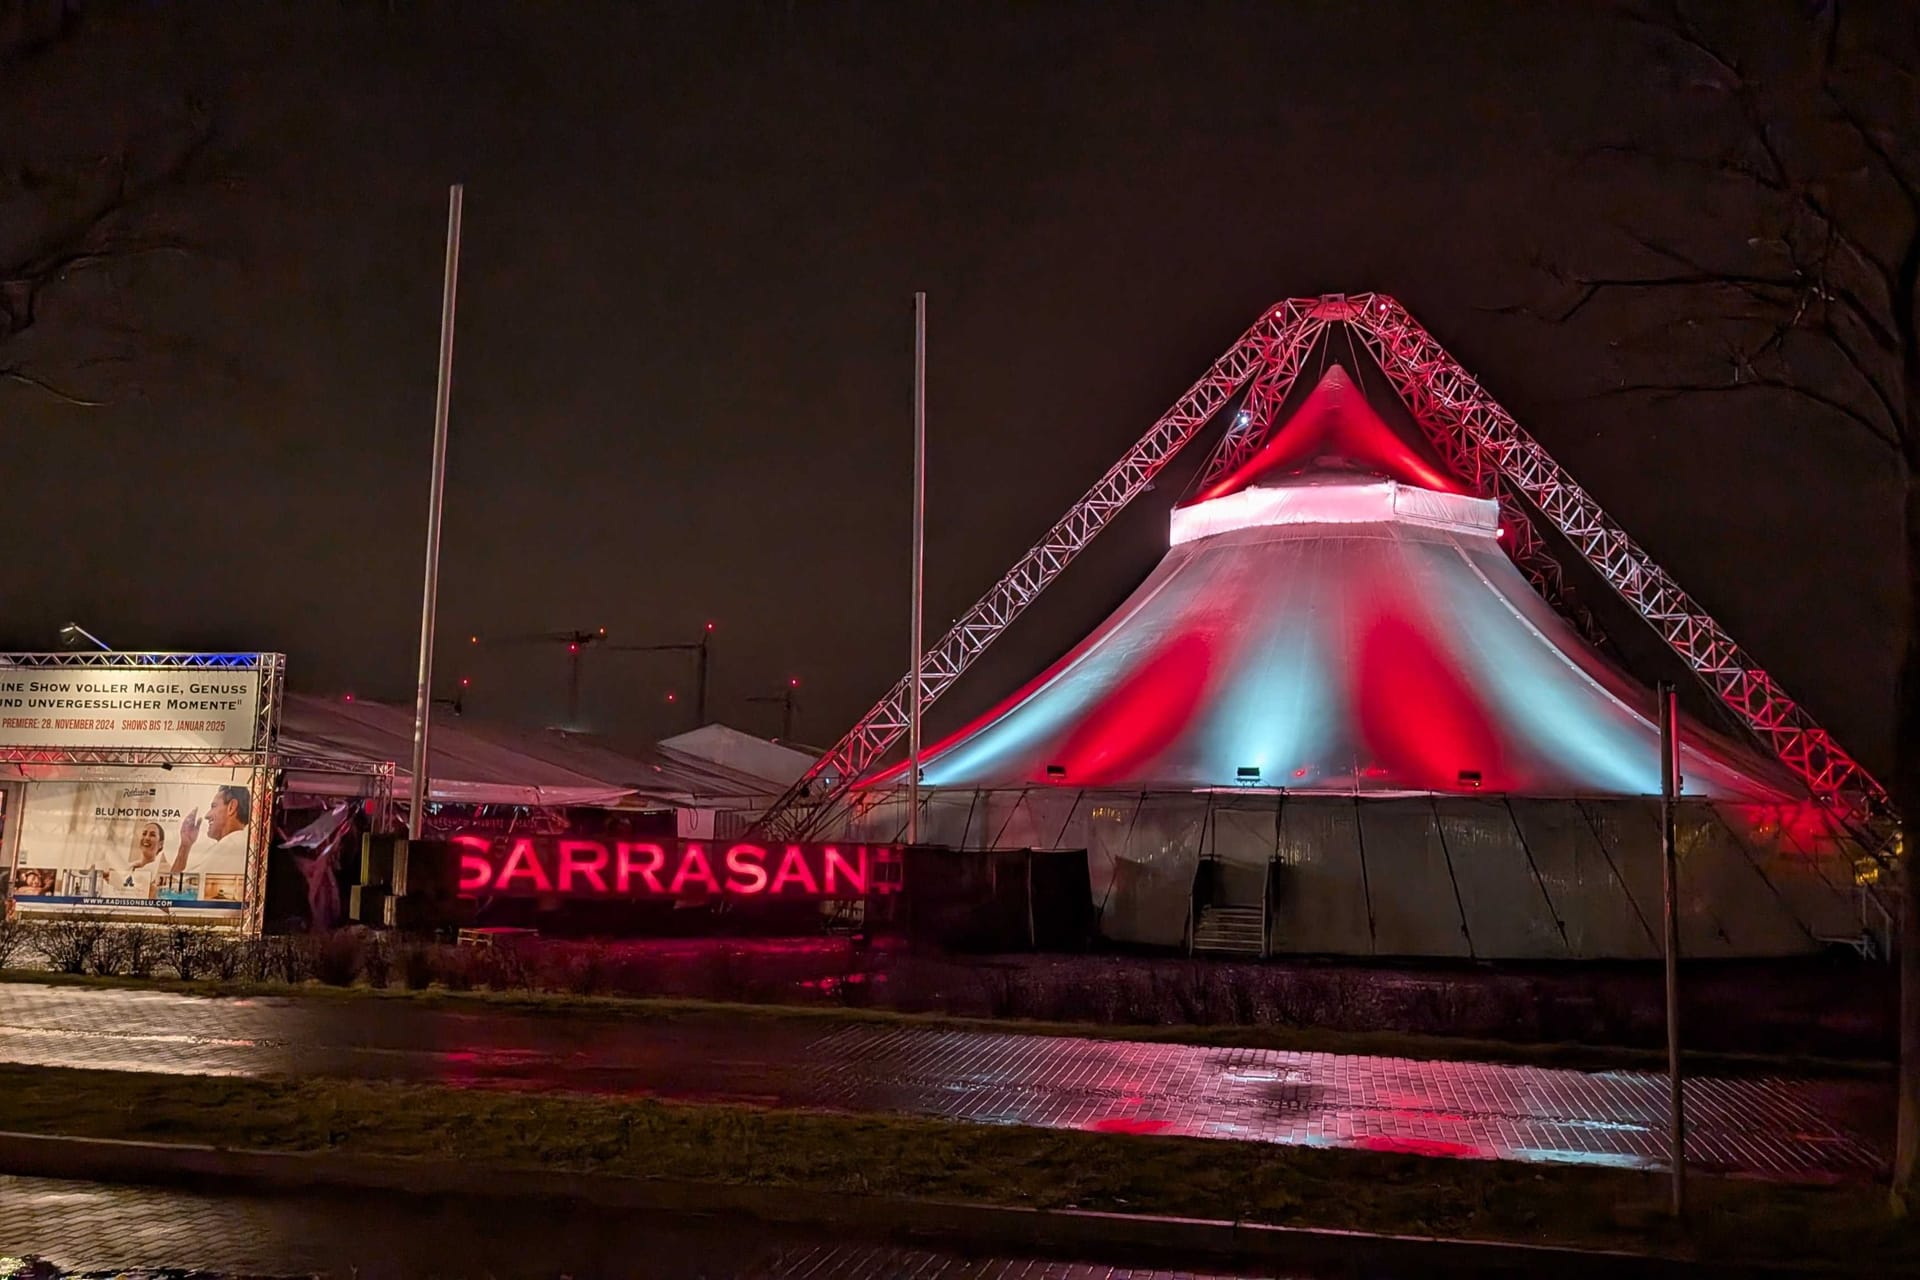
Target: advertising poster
147, 707
159, 846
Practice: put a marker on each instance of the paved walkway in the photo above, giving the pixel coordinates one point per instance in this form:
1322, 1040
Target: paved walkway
90, 1229
1785, 1128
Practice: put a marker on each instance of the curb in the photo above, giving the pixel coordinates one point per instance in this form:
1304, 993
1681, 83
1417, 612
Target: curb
1082, 1234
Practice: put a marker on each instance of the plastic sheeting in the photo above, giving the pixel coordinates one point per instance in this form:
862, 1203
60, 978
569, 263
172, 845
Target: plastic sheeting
1490, 878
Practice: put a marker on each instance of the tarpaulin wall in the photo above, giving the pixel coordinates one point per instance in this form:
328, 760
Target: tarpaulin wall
1487, 878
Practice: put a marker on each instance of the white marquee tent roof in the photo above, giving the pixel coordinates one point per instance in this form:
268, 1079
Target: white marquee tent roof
475, 762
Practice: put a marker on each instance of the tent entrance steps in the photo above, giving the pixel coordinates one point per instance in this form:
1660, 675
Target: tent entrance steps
1231, 931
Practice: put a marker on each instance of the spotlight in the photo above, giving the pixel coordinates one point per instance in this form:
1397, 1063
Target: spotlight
75, 636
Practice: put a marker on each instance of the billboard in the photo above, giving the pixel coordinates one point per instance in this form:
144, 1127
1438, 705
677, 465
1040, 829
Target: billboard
542, 866
132, 707
144, 845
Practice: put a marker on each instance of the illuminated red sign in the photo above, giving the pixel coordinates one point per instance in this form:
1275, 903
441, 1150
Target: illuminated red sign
538, 866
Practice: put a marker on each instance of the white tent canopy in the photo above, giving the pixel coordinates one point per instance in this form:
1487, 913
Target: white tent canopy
475, 762
463, 767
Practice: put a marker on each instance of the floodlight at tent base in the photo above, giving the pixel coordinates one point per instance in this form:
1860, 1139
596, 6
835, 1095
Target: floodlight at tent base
1482, 445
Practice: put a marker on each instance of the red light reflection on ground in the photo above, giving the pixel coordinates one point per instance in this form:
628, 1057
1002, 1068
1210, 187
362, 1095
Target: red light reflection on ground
1425, 1147
1129, 1124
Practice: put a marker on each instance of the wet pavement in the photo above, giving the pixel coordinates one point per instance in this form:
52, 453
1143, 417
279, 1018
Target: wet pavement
1782, 1128
90, 1229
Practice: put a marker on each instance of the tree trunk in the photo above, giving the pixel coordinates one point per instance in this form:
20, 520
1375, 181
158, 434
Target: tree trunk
1906, 795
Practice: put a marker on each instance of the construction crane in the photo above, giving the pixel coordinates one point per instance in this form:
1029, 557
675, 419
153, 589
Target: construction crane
703, 647
458, 702
786, 700
576, 643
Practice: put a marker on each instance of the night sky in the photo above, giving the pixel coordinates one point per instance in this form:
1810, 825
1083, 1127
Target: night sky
683, 365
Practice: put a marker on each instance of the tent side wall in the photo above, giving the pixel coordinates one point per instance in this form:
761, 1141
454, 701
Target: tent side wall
1493, 878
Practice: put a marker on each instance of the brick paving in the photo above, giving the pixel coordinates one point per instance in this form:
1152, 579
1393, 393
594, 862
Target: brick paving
1776, 1127
855, 1262
88, 1228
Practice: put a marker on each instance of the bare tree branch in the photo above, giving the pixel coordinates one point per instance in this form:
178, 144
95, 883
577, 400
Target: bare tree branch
47, 388
90, 218
1658, 392
1881, 396
28, 28
1863, 131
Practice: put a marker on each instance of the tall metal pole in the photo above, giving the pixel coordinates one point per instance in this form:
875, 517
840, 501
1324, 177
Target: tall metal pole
1670, 876
436, 494
915, 692
700, 698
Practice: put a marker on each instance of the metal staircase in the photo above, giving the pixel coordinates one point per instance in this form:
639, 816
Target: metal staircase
1231, 931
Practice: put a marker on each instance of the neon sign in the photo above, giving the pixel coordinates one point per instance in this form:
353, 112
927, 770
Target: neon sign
562, 866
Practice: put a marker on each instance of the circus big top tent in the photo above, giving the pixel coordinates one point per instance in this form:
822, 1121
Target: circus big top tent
1340, 718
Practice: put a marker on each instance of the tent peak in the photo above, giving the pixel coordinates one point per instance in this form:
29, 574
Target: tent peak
1335, 429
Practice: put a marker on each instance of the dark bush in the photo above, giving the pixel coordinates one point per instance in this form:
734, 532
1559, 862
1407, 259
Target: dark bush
510, 966
108, 958
457, 968
69, 945
726, 975
338, 957
418, 961
289, 958
16, 937
376, 962
261, 958
1102, 999
134, 950
859, 987
1001, 988
1179, 994
229, 957
913, 988
191, 949
585, 971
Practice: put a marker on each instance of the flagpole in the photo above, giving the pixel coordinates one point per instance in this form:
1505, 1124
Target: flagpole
919, 561
1670, 882
436, 495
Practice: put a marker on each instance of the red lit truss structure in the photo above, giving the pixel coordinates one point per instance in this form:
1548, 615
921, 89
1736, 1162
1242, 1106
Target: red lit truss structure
1490, 453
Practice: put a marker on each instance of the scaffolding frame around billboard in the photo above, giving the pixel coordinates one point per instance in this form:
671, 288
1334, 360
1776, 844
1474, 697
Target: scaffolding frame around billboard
259, 757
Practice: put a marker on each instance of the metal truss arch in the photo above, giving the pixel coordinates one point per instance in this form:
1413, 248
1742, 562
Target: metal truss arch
1484, 447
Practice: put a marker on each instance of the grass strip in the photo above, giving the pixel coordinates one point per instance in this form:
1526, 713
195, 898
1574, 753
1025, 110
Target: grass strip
1734, 1220
1385, 1044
